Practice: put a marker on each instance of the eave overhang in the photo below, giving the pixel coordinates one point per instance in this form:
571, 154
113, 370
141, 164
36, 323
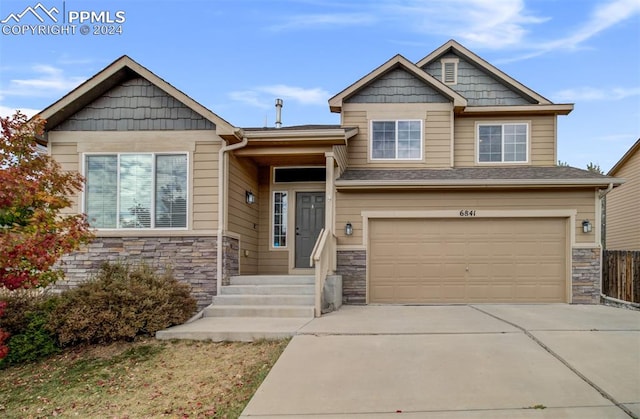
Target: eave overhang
299, 137
544, 109
634, 149
474, 184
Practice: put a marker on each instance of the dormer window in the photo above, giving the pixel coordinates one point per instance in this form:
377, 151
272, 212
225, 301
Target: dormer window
449, 70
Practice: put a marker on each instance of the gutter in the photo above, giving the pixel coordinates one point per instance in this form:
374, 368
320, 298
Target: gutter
221, 202
606, 191
435, 183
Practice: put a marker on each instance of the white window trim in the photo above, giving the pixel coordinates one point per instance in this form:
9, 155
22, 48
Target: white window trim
455, 62
153, 180
502, 123
272, 212
374, 159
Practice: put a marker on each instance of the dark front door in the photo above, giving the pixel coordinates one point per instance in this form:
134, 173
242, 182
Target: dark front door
309, 222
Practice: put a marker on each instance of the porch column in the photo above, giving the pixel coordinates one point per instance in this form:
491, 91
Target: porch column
330, 203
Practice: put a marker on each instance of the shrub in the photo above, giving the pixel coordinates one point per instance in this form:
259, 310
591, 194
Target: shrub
4, 349
26, 319
120, 303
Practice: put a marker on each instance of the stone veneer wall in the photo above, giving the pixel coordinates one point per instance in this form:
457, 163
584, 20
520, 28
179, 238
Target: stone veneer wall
231, 258
193, 260
585, 275
352, 266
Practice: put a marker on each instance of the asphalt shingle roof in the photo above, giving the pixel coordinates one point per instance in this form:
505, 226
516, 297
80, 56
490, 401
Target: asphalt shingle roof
294, 127
472, 173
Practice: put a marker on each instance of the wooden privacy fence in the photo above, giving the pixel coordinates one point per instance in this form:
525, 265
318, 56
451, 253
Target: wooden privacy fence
621, 275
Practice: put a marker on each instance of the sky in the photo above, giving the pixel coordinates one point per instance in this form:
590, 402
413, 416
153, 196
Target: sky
237, 56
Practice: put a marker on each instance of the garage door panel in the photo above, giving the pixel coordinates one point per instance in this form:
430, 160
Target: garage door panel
467, 260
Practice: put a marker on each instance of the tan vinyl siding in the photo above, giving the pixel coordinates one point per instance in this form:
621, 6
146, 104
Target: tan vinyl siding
436, 133
67, 155
437, 145
242, 217
270, 262
350, 205
358, 145
67, 147
205, 186
623, 225
341, 156
542, 137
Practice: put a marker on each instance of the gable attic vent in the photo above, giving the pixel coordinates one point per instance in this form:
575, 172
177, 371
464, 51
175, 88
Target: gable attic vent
449, 70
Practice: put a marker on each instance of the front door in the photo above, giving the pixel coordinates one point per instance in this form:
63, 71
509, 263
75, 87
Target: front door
309, 222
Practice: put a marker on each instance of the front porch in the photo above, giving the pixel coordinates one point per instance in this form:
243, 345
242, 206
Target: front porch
257, 307
279, 202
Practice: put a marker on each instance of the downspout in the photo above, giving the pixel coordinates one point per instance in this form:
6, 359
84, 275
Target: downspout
602, 195
221, 203
606, 191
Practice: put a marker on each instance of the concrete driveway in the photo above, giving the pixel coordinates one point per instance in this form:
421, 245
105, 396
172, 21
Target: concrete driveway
479, 361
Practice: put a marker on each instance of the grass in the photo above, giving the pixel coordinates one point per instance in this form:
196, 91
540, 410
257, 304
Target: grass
148, 378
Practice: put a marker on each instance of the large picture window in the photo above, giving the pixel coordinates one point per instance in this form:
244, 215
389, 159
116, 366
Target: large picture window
396, 140
142, 190
501, 143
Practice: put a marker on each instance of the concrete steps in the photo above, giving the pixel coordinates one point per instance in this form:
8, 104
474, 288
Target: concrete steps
252, 308
258, 311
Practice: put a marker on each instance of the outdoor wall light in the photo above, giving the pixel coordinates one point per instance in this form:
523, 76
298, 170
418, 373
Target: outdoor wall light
250, 197
586, 226
348, 229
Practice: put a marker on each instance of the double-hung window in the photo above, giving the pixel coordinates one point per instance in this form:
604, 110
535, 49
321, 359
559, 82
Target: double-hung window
503, 143
142, 190
396, 140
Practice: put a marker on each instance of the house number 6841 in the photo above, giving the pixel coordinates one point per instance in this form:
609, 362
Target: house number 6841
467, 213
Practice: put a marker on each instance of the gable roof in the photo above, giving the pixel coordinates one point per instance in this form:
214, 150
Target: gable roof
398, 61
118, 71
460, 50
630, 153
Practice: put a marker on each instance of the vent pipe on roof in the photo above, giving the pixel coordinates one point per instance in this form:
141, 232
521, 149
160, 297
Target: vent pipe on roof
278, 113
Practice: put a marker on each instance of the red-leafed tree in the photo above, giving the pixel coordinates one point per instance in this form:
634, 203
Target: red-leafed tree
34, 192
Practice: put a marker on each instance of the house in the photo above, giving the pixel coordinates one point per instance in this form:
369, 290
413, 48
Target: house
439, 185
622, 225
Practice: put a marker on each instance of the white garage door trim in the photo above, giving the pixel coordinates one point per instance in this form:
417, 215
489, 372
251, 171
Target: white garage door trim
570, 214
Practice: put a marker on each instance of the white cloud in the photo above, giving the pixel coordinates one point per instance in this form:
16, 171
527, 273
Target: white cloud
600, 19
48, 81
8, 111
325, 20
314, 96
583, 94
249, 97
616, 137
603, 17
478, 23
264, 96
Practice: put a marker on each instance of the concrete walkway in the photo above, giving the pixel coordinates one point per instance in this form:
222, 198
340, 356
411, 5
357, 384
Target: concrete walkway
482, 361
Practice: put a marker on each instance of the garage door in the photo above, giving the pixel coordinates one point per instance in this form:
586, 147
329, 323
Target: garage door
467, 260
